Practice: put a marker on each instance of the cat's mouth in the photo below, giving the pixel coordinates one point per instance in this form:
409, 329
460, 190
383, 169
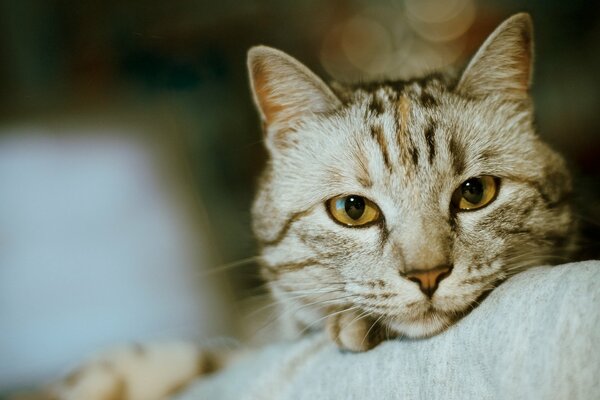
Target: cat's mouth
429, 317
427, 322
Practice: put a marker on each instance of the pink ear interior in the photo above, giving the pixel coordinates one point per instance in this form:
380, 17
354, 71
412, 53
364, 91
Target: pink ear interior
264, 93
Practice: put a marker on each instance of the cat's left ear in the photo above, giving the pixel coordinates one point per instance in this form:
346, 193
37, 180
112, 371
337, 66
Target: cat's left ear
504, 64
285, 90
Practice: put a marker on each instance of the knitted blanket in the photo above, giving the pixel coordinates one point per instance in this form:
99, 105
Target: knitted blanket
537, 336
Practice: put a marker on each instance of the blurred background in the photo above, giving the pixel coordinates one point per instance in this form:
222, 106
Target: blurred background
130, 149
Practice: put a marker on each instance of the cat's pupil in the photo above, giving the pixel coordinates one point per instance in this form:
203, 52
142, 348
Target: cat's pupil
355, 207
472, 190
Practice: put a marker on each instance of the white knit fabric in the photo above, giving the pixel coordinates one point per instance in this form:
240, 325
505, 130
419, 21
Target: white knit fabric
537, 336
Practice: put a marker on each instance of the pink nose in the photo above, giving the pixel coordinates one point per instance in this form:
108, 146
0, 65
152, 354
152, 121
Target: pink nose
429, 280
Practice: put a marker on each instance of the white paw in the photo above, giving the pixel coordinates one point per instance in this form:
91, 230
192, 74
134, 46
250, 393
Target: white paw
148, 372
351, 331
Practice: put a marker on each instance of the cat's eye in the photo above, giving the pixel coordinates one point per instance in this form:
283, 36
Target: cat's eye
475, 193
353, 210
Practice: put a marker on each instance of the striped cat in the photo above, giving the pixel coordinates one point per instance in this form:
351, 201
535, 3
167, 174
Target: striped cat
386, 209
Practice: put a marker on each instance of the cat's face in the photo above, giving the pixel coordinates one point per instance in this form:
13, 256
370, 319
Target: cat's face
405, 201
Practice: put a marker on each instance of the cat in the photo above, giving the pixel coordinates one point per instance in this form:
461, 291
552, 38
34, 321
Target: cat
393, 206
389, 208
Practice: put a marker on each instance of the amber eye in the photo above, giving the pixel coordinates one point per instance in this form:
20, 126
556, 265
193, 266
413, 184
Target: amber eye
475, 193
353, 210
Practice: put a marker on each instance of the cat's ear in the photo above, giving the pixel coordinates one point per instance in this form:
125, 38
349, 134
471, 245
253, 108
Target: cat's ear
285, 90
504, 63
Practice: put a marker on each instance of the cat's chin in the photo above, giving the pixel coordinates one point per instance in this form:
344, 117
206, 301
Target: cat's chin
421, 327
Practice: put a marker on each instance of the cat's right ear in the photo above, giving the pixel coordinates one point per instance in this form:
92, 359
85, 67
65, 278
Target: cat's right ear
504, 63
284, 90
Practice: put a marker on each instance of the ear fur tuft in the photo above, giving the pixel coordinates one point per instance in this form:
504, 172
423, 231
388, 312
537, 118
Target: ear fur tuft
285, 90
503, 65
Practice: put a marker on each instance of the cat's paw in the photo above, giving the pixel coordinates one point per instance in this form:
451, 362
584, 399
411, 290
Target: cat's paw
353, 331
136, 372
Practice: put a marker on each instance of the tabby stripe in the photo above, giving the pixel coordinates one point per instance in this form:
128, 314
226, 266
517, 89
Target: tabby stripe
475, 266
371, 296
453, 223
385, 233
427, 100
458, 157
315, 246
481, 278
430, 138
413, 149
402, 115
277, 269
552, 203
403, 109
377, 283
284, 230
363, 176
414, 153
515, 215
412, 304
377, 308
377, 134
562, 200
376, 105
365, 181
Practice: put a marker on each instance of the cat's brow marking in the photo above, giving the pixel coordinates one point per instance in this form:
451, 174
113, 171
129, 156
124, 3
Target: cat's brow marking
414, 153
430, 138
365, 181
402, 116
286, 227
403, 109
458, 157
427, 99
363, 176
376, 105
377, 134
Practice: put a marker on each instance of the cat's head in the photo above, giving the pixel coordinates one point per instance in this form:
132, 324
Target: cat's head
405, 200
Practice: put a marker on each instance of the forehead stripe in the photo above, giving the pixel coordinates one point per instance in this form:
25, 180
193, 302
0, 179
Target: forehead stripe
376, 105
427, 99
403, 113
458, 157
405, 148
377, 134
430, 138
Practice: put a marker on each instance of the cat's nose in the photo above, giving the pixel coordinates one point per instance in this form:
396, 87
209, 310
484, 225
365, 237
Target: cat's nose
429, 280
